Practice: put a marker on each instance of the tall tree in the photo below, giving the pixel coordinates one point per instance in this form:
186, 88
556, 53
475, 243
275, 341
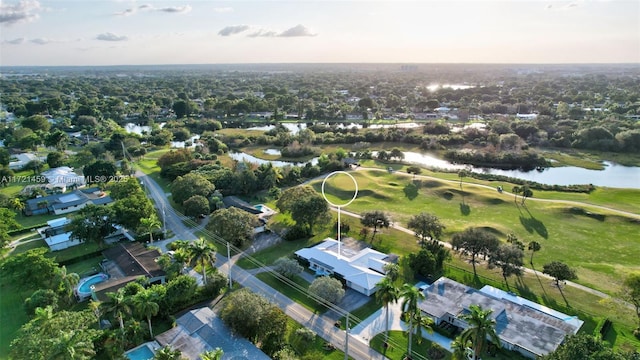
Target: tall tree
508, 258
66, 283
305, 206
7, 223
215, 354
460, 349
328, 288
516, 190
118, 305
387, 293
584, 347
391, 271
101, 171
92, 224
559, 271
129, 211
167, 353
202, 253
526, 193
71, 345
474, 242
631, 292
426, 227
481, 326
146, 304
410, 296
534, 246
234, 225
149, 224
375, 219
462, 174
184, 187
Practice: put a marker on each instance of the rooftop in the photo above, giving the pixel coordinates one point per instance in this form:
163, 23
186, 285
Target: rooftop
521, 322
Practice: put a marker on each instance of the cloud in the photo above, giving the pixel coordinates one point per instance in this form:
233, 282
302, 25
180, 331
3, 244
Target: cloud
564, 7
111, 37
263, 33
41, 41
223, 10
148, 7
175, 9
23, 11
126, 12
232, 30
17, 41
296, 31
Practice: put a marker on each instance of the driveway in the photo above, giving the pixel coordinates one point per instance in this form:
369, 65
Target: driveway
375, 324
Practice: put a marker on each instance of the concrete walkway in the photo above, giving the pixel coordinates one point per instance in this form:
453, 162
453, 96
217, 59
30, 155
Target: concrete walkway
376, 324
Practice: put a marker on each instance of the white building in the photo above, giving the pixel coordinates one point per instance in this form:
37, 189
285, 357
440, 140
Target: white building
55, 235
361, 269
21, 160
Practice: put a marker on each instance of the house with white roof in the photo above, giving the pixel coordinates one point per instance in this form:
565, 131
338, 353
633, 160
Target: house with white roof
65, 203
524, 326
63, 177
361, 268
58, 237
21, 160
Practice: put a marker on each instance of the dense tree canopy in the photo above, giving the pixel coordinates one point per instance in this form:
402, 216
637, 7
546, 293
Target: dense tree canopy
233, 225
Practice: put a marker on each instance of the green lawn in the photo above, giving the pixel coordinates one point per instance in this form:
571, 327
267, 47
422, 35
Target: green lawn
599, 247
398, 342
269, 255
12, 316
293, 293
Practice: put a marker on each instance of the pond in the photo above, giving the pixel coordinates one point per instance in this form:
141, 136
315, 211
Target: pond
613, 175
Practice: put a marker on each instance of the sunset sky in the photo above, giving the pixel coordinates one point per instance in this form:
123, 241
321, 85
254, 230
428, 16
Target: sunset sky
121, 32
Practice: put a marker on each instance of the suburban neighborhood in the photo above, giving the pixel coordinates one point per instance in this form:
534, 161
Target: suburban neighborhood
261, 216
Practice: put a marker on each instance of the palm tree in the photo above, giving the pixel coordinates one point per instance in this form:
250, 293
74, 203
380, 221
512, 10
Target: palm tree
387, 293
392, 271
118, 306
16, 204
516, 190
150, 223
145, 303
96, 307
460, 348
411, 296
167, 353
202, 253
66, 282
534, 246
461, 174
421, 322
215, 354
69, 345
481, 325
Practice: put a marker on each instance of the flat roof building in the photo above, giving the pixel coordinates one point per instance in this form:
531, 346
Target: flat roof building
522, 325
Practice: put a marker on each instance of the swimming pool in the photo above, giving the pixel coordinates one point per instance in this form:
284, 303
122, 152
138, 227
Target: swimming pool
142, 352
84, 285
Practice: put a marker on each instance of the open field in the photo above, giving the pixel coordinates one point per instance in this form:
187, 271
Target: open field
596, 242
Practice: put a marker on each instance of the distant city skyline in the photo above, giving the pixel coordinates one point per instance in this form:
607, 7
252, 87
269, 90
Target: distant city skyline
127, 32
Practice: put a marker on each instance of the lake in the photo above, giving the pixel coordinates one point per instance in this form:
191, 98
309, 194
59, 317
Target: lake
614, 175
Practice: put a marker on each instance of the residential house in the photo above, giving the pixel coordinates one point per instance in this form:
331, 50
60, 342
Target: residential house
57, 237
523, 326
21, 160
200, 330
125, 263
65, 203
360, 267
62, 178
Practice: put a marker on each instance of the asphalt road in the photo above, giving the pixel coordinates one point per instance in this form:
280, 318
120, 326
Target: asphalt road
324, 327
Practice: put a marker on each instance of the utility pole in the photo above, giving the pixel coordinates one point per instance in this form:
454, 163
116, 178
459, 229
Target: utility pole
346, 341
229, 263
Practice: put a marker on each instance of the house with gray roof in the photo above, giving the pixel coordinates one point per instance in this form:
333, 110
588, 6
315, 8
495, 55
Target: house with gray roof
201, 330
523, 326
67, 202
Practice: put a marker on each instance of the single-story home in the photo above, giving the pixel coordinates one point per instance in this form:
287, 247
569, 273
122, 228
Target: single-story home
63, 177
361, 268
201, 330
129, 262
261, 211
57, 237
21, 160
523, 326
67, 202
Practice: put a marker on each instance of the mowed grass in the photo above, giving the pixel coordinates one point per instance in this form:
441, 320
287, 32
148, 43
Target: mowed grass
601, 247
12, 316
